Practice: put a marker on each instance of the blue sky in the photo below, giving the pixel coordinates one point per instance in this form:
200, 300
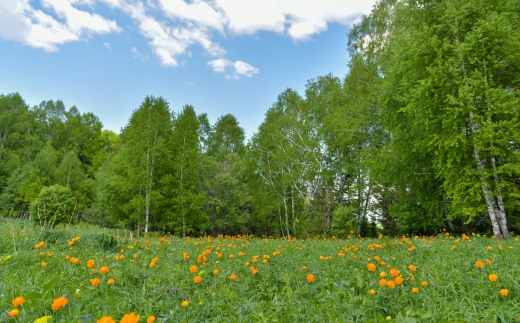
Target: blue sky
221, 56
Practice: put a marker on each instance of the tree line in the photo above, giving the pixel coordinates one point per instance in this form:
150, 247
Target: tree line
422, 135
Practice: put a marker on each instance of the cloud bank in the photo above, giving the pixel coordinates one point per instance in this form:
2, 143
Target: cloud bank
172, 26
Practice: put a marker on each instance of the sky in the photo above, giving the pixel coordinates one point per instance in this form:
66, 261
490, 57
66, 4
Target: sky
220, 56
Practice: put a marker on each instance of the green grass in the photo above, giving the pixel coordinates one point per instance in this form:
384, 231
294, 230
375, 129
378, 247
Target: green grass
457, 290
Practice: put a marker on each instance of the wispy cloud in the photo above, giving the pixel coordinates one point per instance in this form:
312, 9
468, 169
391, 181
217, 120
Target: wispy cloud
107, 45
172, 26
21, 22
238, 68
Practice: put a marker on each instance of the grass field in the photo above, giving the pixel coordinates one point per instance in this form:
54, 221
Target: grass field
254, 279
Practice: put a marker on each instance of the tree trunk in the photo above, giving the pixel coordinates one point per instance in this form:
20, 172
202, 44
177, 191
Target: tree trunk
286, 216
293, 214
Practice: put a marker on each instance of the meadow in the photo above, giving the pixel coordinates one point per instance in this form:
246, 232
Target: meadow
87, 274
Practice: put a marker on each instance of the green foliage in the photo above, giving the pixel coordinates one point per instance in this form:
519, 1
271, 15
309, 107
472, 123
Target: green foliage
54, 205
344, 221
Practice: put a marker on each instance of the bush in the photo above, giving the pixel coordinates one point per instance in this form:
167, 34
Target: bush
54, 205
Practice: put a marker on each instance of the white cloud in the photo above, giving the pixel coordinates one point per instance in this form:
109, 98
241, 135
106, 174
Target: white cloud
107, 45
173, 26
239, 68
21, 22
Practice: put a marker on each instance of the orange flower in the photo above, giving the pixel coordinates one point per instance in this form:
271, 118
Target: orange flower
233, 277
504, 292
415, 290
90, 263
394, 272
130, 318
59, 303
14, 312
489, 248
304, 267
382, 274
215, 272
150, 319
74, 260
371, 267
390, 284
193, 268
103, 270
424, 283
376, 258
197, 279
111, 281
372, 292
399, 280
106, 319
310, 278
39, 245
479, 264
185, 256
44, 264
412, 267
488, 261
18, 301
493, 277
185, 304
94, 282
382, 282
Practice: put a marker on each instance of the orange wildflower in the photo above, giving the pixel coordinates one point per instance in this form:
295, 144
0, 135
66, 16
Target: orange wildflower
493, 277
412, 267
304, 267
371, 267
130, 318
489, 248
94, 282
376, 258
193, 268
390, 284
18, 301
372, 292
39, 245
382, 282
44, 264
399, 280
424, 283
74, 260
479, 264
382, 274
415, 290
310, 278
185, 256
394, 272
488, 261
103, 270
215, 272
233, 276
185, 304
150, 319
106, 319
90, 263
59, 303
111, 281
197, 279
13, 312
504, 292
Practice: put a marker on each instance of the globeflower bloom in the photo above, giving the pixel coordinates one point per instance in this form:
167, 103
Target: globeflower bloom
94, 282
197, 279
372, 292
59, 303
424, 283
412, 267
103, 270
130, 318
14, 312
233, 277
310, 278
111, 281
185, 304
504, 292
415, 290
479, 264
106, 319
493, 277
394, 272
193, 269
18, 301
390, 284
90, 263
371, 267
150, 319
